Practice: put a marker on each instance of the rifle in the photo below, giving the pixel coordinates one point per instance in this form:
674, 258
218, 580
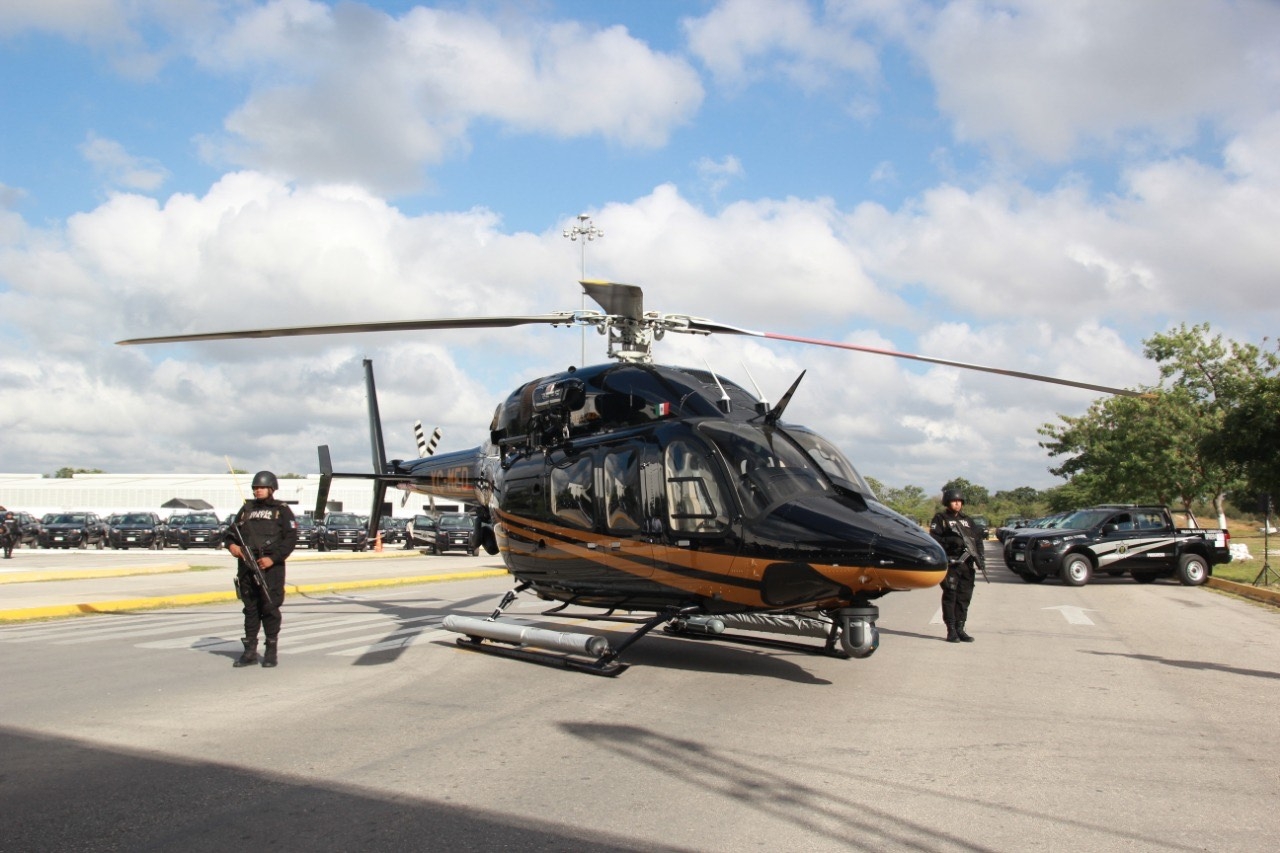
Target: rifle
250, 558
966, 554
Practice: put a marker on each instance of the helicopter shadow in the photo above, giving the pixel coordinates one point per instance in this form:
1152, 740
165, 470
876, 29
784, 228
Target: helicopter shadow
1192, 664
829, 813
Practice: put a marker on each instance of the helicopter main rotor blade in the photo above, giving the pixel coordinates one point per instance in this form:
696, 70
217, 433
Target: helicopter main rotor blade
620, 300
712, 327
562, 318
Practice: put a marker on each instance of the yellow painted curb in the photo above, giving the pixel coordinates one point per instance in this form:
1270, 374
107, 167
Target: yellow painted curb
1256, 593
90, 574
190, 599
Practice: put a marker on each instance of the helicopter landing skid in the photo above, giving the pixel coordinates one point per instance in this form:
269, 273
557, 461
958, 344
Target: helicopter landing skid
848, 632
608, 668
828, 649
538, 645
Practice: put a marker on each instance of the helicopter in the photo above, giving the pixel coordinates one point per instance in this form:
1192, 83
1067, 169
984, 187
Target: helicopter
657, 496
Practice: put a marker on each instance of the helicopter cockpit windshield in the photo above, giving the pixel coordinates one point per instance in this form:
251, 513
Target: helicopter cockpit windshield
831, 460
765, 466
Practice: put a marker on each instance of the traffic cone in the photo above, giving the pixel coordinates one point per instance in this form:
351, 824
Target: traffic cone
377, 542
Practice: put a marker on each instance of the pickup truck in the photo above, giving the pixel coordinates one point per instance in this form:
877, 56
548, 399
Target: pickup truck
1140, 540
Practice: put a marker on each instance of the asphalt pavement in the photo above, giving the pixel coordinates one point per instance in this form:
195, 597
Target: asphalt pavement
42, 584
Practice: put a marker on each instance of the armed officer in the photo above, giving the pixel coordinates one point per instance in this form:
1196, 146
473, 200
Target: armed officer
8, 533
957, 534
265, 532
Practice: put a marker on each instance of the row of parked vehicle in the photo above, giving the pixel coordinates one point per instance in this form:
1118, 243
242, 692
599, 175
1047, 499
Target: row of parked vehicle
446, 531
1114, 539
339, 531
121, 530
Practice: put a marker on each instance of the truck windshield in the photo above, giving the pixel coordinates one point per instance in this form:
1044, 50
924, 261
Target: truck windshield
1084, 519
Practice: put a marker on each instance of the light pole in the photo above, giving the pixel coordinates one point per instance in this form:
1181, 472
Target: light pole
587, 230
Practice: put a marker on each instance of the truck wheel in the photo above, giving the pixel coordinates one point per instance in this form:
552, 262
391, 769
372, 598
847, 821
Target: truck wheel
1076, 570
1192, 570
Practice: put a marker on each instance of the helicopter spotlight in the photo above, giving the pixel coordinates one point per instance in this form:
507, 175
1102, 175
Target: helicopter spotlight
661, 495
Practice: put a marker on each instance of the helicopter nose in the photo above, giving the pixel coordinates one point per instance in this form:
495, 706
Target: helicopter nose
865, 536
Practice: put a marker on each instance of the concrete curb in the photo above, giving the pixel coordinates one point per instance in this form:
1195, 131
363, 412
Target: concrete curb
165, 568
1266, 595
189, 599
92, 574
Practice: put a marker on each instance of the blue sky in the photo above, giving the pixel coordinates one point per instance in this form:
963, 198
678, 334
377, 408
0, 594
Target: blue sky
1037, 185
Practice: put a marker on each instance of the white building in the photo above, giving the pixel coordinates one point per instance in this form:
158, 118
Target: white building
111, 493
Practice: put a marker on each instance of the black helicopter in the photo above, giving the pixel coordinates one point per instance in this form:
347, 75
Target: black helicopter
637, 488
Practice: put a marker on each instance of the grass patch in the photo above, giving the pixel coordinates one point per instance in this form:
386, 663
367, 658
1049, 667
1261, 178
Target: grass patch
1245, 571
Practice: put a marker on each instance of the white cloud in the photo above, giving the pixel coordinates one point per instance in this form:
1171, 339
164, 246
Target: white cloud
745, 40
353, 94
718, 174
122, 169
1053, 79
88, 20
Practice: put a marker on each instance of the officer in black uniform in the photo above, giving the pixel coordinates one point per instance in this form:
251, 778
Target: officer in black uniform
270, 531
958, 535
8, 533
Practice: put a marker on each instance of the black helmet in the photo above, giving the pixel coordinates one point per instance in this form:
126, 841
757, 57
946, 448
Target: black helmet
952, 495
265, 479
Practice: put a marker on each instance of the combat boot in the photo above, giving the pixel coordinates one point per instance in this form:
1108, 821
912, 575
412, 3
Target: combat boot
250, 655
964, 638
269, 654
952, 636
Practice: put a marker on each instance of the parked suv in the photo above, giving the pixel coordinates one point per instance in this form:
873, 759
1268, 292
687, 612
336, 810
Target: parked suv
306, 532
451, 531
343, 530
136, 530
73, 530
26, 528
393, 531
198, 530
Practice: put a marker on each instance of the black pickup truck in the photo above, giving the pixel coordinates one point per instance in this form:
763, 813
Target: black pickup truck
1114, 539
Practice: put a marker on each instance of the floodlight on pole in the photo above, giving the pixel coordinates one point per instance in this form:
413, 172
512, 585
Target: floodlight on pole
587, 231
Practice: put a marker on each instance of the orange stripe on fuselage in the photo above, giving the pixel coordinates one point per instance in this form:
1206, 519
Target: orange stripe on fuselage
706, 574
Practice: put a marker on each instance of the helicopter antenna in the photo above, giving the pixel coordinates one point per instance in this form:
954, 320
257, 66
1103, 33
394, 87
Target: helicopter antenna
762, 405
775, 414
724, 403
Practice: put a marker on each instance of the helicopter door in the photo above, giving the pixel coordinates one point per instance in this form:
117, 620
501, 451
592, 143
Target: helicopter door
627, 506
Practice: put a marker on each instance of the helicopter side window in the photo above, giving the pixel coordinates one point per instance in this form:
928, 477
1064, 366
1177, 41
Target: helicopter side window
693, 493
571, 493
622, 491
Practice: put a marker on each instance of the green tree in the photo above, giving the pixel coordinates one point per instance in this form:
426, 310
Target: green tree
1249, 439
1154, 448
68, 473
1135, 450
911, 501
